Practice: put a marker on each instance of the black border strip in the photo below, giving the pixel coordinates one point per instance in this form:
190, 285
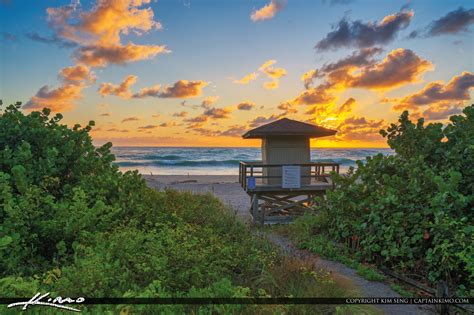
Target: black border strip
278, 300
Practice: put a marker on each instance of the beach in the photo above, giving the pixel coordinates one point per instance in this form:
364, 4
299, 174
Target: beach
224, 187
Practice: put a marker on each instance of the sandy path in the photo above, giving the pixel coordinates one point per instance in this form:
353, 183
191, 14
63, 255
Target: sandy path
227, 188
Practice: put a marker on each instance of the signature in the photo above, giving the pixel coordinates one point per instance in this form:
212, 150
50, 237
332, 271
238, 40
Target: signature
49, 301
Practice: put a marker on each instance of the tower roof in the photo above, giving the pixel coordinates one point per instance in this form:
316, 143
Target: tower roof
288, 127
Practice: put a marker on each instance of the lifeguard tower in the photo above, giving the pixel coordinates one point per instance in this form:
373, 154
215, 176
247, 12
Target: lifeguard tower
284, 184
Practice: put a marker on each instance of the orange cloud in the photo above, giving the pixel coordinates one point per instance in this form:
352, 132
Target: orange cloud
98, 31
152, 91
168, 124
268, 11
217, 113
360, 128
122, 90
59, 99
248, 78
439, 111
73, 81
287, 108
307, 78
272, 72
180, 114
130, 119
184, 89
97, 34
399, 67
101, 56
208, 101
271, 85
247, 105
457, 89
77, 74
261, 120
268, 69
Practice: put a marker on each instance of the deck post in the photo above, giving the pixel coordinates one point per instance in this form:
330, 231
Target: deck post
254, 207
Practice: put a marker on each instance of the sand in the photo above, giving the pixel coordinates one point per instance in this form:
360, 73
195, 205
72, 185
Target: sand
224, 187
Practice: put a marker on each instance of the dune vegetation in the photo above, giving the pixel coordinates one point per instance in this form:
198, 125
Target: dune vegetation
411, 212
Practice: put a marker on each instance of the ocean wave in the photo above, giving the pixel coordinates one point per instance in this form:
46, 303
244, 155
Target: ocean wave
204, 163
210, 163
342, 161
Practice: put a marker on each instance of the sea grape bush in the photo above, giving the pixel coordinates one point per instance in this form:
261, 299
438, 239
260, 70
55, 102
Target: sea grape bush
412, 211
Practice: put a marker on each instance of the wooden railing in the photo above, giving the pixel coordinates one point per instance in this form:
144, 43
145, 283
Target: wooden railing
314, 172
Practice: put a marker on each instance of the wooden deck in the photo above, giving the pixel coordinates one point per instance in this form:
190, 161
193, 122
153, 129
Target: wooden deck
271, 201
317, 177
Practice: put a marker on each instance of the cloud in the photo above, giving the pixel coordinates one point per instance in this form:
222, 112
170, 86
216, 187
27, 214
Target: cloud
180, 114
122, 90
217, 113
168, 124
268, 69
247, 79
452, 23
399, 67
318, 95
98, 31
105, 114
234, 131
457, 89
73, 81
272, 72
147, 127
307, 78
184, 89
58, 99
271, 85
268, 11
349, 127
360, 128
101, 56
287, 108
180, 89
130, 119
196, 122
247, 105
10, 37
51, 40
152, 91
357, 59
441, 111
359, 70
97, 34
209, 101
77, 74
262, 120
347, 106
117, 130
359, 34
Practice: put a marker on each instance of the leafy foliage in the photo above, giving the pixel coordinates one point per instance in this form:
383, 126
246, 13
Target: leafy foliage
412, 211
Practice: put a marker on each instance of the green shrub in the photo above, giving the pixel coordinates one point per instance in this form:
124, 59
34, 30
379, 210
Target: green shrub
412, 211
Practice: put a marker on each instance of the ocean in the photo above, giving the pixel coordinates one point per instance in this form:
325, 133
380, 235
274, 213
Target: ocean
218, 161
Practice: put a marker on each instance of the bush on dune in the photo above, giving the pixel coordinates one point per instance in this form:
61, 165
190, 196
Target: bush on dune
412, 211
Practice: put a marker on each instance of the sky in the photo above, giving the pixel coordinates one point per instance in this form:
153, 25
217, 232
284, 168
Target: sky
203, 72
